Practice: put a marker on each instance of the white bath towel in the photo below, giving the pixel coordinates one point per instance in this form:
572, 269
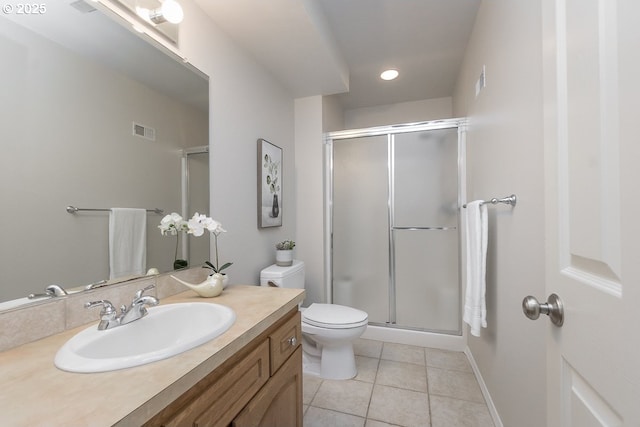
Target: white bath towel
475, 311
127, 242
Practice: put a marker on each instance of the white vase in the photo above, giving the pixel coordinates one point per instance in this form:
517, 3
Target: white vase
211, 287
284, 258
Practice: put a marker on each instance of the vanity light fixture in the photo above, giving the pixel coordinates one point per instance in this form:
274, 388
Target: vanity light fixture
169, 11
389, 74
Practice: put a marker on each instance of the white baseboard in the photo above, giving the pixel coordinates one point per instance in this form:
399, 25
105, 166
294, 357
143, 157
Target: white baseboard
485, 391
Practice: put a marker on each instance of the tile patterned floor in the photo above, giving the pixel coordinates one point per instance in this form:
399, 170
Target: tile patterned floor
398, 385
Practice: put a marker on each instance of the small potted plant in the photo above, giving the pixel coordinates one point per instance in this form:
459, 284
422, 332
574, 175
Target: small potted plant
174, 225
284, 253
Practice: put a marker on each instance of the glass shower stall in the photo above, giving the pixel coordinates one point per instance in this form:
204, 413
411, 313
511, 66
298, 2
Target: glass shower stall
393, 226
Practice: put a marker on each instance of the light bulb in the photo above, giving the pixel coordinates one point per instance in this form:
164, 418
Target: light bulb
172, 11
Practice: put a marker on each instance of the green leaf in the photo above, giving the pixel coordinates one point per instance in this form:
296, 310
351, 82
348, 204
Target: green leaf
227, 265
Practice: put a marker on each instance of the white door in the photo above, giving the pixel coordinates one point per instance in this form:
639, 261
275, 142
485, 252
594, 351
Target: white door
592, 148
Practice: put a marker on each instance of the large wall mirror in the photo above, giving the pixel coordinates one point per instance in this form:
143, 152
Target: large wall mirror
74, 83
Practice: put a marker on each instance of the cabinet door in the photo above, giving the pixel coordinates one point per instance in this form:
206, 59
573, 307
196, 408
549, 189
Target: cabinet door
279, 402
216, 404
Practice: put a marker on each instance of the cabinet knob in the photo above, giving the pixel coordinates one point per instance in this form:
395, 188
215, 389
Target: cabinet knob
292, 341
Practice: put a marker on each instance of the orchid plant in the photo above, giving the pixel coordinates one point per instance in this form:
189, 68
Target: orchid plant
197, 225
173, 224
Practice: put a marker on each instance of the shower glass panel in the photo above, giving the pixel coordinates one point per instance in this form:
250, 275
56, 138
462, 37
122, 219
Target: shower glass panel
426, 276
360, 225
426, 178
425, 230
395, 241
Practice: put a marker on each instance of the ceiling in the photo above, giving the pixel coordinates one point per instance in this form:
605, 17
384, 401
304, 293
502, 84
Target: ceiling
325, 47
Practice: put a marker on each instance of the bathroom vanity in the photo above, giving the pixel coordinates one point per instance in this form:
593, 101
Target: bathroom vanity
249, 376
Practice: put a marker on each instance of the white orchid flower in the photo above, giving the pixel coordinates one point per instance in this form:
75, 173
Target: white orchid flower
171, 224
215, 227
198, 223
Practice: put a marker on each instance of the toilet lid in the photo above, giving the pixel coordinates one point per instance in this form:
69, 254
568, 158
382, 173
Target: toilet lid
334, 316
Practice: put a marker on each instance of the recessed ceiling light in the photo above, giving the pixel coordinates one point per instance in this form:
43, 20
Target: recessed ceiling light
389, 74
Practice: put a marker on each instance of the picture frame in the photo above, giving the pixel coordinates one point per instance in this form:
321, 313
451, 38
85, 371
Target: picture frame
270, 168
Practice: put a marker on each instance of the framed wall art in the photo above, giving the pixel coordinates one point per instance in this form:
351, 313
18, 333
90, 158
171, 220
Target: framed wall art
269, 184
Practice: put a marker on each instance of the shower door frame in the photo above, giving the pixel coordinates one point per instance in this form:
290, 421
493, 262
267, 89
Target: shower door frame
390, 132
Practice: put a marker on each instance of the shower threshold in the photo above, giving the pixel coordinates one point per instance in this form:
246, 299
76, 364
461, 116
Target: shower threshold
421, 338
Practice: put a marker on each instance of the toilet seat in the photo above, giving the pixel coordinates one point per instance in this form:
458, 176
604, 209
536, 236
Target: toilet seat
334, 316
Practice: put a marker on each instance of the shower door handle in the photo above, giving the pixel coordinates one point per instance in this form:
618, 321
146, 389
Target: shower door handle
553, 308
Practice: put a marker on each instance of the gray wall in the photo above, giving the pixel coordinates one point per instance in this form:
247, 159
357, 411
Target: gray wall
309, 194
246, 103
504, 156
402, 112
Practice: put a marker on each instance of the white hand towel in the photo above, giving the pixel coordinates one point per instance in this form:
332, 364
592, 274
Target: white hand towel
127, 242
475, 311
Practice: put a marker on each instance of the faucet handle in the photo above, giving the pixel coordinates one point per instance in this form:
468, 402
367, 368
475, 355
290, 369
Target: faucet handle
107, 307
141, 291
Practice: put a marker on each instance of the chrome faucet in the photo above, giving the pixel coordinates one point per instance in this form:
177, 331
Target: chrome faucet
138, 308
50, 291
109, 317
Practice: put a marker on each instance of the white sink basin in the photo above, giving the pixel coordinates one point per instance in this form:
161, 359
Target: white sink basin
166, 331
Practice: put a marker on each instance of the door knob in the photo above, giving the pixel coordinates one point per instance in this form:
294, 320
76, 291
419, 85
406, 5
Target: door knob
553, 308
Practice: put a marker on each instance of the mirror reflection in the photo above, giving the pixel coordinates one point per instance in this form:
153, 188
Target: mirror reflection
94, 117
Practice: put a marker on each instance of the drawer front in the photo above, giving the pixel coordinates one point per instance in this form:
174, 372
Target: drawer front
219, 404
284, 341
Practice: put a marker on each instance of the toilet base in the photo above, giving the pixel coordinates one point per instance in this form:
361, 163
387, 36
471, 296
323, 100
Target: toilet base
328, 362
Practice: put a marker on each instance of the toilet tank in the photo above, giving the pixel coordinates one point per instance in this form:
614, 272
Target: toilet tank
284, 277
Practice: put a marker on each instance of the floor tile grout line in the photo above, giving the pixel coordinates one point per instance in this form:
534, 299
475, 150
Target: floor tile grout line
316, 392
426, 372
450, 369
373, 386
458, 398
337, 411
401, 361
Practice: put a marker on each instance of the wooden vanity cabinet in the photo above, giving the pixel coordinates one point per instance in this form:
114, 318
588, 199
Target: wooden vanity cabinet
261, 385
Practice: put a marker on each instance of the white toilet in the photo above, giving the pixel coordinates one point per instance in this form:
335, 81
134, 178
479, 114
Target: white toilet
328, 330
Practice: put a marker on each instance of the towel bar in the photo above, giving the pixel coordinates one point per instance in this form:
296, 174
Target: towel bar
73, 209
509, 200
